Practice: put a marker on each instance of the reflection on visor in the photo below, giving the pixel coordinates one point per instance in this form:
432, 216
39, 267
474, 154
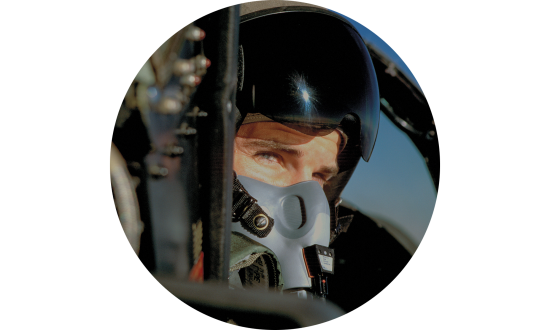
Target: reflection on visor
305, 98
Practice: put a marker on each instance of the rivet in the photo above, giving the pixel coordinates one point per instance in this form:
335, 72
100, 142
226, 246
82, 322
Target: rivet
173, 150
194, 33
185, 130
260, 221
158, 171
170, 106
391, 70
190, 80
202, 62
182, 67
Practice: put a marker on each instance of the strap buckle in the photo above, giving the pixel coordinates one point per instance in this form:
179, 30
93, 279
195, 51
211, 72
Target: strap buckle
241, 203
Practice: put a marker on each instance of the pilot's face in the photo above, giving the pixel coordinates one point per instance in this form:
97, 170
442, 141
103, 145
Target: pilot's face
278, 155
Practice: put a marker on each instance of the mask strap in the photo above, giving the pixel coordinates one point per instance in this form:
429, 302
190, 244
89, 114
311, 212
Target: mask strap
246, 210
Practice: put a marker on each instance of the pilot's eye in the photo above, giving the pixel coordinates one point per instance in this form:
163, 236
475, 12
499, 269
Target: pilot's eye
268, 158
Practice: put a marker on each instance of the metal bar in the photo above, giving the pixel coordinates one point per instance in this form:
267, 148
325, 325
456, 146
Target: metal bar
215, 135
125, 199
172, 183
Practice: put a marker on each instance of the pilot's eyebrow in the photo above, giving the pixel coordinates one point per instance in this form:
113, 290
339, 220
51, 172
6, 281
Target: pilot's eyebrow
330, 171
273, 145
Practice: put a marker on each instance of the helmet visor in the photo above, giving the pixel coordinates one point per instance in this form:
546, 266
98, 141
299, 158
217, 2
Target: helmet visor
308, 71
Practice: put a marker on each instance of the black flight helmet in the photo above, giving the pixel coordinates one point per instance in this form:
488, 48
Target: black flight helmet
311, 71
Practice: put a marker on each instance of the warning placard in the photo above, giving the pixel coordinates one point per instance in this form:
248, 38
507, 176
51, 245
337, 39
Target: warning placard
326, 263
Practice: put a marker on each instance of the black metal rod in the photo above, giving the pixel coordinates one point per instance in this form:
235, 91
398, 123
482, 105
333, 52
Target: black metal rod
215, 135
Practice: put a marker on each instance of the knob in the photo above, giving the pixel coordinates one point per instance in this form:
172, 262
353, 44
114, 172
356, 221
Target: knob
195, 34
